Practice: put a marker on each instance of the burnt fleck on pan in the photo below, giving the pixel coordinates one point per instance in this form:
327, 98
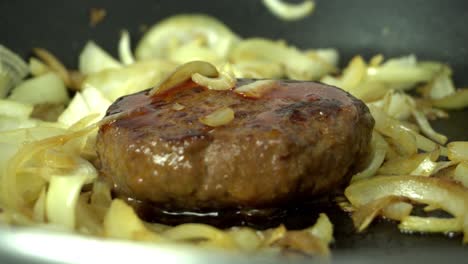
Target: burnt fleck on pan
431, 29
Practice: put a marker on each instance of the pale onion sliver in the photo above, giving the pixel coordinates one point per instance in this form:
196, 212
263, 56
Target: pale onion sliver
219, 117
62, 197
379, 150
183, 73
256, 89
225, 81
288, 11
458, 150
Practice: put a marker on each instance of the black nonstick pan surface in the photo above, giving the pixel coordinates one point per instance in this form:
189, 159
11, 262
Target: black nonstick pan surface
431, 29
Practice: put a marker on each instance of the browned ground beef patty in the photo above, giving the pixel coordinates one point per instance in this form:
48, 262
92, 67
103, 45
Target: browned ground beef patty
299, 140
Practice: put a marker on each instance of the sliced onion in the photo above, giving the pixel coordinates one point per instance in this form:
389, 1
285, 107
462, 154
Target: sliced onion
225, 81
54, 64
353, 74
122, 222
461, 173
392, 128
256, 89
95, 59
258, 69
430, 224
37, 67
297, 65
402, 165
458, 150
219, 117
322, 229
176, 31
427, 129
446, 194
62, 197
379, 148
457, 100
288, 11
183, 73
312, 241
365, 213
12, 70
125, 52
397, 210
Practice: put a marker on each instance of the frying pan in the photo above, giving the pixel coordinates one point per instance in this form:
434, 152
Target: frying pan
431, 29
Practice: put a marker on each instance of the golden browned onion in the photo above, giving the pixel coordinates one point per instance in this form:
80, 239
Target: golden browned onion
442, 193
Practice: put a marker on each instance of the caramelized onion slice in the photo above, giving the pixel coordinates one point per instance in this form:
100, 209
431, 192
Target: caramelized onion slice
446, 194
256, 89
183, 73
364, 214
219, 117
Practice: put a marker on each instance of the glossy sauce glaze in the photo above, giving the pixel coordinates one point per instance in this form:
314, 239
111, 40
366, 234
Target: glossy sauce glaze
287, 146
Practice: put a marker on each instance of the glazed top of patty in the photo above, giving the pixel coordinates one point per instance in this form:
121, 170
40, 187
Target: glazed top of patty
299, 139
286, 107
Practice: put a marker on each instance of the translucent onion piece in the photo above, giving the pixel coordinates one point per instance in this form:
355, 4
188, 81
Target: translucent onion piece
404, 70
322, 229
430, 225
194, 51
122, 222
256, 89
206, 233
54, 64
448, 195
245, 238
219, 117
183, 73
461, 173
62, 197
15, 109
425, 168
441, 86
12, 70
427, 129
37, 67
458, 150
125, 51
397, 210
353, 74
94, 59
457, 100
47, 88
114, 83
39, 209
402, 165
171, 33
297, 64
379, 148
225, 81
258, 69
288, 11
364, 214
391, 128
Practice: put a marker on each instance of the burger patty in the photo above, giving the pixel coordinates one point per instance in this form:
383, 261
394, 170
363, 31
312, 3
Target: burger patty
297, 141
